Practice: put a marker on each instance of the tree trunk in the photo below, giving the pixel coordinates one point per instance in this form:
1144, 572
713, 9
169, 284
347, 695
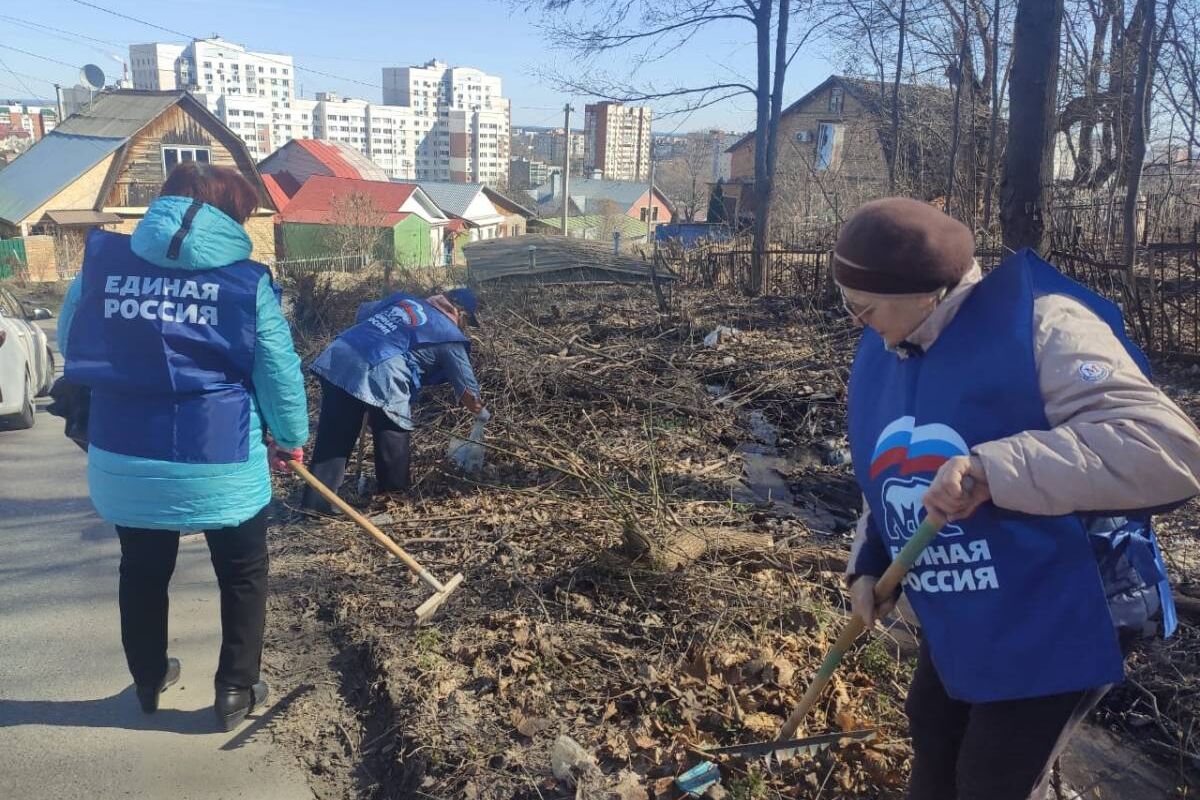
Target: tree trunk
896, 97
1031, 102
956, 125
989, 183
762, 174
1137, 142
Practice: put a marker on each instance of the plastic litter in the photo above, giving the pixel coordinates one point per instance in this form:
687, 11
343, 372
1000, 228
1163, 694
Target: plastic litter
719, 334
467, 454
697, 780
569, 761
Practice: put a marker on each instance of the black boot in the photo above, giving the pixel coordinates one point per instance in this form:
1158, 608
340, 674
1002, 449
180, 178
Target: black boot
148, 695
234, 703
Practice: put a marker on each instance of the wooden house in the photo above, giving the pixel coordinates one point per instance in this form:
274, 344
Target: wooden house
835, 151
104, 165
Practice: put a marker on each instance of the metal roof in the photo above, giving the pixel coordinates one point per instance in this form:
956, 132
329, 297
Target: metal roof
591, 191
628, 226
317, 201
556, 259
118, 115
85, 216
46, 169
453, 198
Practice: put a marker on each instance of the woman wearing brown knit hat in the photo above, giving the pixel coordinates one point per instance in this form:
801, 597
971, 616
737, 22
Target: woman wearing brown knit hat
1014, 406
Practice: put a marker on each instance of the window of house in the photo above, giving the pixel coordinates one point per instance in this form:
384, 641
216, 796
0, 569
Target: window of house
174, 155
836, 98
829, 146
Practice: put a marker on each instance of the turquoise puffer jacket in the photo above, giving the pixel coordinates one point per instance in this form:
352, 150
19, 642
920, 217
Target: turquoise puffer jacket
144, 493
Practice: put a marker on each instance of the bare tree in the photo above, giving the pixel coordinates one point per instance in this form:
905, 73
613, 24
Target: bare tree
359, 229
1031, 102
649, 29
685, 178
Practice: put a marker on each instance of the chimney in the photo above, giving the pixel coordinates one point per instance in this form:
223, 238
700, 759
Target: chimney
555, 185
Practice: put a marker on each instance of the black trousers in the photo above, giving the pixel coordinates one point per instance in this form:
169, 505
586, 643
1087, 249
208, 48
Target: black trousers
337, 432
986, 751
239, 557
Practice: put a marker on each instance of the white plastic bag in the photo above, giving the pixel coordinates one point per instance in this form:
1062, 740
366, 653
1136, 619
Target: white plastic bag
467, 454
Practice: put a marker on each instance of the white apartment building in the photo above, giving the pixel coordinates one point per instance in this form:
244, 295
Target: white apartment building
255, 90
618, 141
462, 115
436, 123
154, 65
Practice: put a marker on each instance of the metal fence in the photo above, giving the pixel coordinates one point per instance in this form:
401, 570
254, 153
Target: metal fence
786, 271
12, 257
323, 264
1160, 299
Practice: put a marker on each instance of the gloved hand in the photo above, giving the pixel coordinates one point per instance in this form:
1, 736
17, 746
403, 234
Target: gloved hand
483, 416
278, 456
862, 601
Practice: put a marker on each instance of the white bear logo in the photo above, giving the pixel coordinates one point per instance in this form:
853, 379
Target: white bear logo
903, 510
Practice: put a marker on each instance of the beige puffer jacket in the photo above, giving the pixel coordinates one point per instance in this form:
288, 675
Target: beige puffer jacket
1116, 441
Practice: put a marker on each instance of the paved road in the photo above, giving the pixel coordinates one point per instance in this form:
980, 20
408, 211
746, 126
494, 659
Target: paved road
70, 726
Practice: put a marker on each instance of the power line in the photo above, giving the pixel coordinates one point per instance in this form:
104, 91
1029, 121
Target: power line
36, 25
201, 38
35, 55
18, 77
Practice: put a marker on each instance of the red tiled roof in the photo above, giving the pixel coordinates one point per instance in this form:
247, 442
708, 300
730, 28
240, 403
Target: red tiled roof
329, 155
315, 203
279, 197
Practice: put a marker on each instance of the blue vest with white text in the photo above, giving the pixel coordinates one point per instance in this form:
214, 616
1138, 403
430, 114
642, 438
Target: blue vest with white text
168, 354
399, 324
1011, 605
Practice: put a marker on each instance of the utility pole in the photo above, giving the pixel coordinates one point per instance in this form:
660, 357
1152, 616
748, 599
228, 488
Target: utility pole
566, 176
650, 202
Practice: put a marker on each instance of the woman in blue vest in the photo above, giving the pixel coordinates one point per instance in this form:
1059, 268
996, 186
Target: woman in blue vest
377, 367
1015, 407
181, 339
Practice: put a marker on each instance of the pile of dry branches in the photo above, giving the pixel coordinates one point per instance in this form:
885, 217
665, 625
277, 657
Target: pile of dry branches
616, 591
619, 590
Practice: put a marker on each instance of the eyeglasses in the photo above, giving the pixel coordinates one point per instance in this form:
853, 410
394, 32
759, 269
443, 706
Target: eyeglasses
855, 310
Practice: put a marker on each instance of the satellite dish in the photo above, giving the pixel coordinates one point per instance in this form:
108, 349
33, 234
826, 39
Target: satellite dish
92, 77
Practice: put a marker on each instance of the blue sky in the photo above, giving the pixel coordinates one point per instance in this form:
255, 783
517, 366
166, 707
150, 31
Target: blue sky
352, 39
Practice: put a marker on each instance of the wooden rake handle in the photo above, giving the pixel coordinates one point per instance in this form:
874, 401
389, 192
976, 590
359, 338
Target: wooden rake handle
884, 589
366, 525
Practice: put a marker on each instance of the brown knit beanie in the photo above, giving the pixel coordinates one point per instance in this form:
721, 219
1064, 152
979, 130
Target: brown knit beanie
902, 246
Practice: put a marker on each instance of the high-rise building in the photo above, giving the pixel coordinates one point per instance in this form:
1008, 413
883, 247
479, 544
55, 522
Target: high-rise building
154, 65
462, 119
33, 122
254, 90
527, 173
617, 140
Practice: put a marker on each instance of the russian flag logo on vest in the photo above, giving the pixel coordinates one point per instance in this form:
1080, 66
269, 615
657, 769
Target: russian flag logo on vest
414, 315
915, 449
910, 454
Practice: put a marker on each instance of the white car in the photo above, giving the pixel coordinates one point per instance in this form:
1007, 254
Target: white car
26, 361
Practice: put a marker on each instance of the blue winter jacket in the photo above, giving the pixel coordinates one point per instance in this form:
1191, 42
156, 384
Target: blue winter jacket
145, 493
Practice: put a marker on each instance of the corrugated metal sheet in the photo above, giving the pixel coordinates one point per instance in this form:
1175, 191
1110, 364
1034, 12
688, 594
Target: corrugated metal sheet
82, 217
316, 202
118, 115
586, 192
46, 169
452, 198
556, 259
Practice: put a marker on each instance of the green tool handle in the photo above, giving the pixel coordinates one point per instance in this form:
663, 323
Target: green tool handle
884, 589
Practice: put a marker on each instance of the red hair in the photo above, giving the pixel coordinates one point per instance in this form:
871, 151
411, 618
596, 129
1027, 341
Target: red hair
221, 187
